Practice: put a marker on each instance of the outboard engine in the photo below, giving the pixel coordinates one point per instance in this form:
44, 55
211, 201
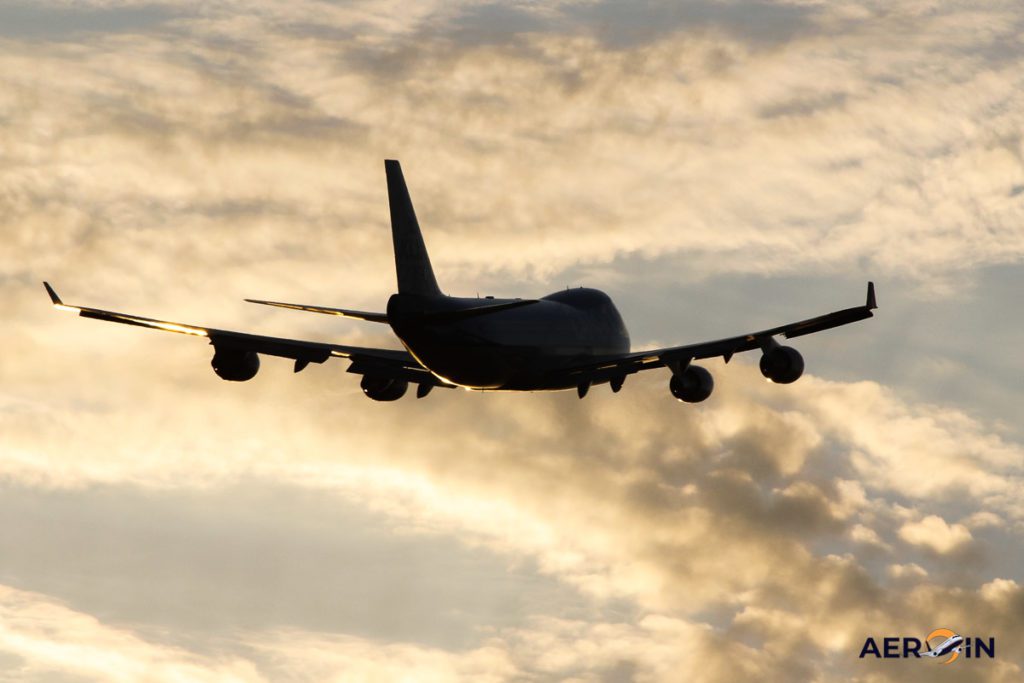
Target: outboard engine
235, 365
383, 388
782, 364
692, 385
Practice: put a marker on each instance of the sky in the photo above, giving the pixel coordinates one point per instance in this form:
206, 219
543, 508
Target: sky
716, 166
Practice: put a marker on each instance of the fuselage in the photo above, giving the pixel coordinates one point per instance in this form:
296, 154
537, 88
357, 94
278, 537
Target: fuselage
521, 348
947, 646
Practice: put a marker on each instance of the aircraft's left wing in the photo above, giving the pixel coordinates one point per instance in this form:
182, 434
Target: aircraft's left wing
382, 362
674, 356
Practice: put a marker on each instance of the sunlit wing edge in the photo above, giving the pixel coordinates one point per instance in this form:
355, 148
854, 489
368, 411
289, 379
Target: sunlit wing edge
391, 362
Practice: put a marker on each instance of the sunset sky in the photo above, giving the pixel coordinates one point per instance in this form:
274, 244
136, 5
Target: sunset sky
716, 166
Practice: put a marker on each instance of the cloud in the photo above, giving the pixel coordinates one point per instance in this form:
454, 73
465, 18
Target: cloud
22, 20
264, 555
42, 637
999, 590
933, 532
911, 570
867, 535
46, 639
682, 514
234, 142
173, 168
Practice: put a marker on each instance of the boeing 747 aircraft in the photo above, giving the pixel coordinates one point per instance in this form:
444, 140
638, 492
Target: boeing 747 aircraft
572, 339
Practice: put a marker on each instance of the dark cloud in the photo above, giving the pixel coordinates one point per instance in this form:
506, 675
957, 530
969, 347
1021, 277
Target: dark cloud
619, 26
797, 107
628, 25
21, 20
488, 24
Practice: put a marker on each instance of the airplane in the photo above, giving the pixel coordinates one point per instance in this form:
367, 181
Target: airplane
571, 339
952, 644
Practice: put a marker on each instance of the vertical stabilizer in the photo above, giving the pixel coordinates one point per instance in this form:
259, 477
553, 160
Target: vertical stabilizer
415, 275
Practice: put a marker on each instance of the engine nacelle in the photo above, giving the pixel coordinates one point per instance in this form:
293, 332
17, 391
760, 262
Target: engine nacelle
383, 388
692, 385
782, 364
235, 365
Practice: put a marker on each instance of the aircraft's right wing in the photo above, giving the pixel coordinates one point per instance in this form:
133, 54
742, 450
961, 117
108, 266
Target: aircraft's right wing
618, 366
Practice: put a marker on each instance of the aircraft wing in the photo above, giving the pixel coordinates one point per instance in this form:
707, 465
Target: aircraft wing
618, 366
384, 362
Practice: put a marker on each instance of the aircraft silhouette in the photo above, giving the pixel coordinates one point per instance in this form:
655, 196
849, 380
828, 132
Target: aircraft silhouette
572, 339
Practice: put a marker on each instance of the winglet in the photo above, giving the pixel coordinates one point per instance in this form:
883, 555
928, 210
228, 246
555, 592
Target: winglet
871, 302
57, 303
53, 295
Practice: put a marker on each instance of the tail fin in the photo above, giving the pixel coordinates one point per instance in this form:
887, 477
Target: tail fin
415, 275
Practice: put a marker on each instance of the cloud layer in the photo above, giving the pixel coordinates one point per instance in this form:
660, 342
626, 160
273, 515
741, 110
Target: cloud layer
169, 161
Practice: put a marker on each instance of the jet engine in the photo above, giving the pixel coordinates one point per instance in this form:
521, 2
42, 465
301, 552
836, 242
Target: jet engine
235, 365
692, 385
782, 364
383, 388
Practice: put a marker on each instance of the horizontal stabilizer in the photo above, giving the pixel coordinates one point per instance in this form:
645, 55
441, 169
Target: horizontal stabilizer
343, 312
464, 313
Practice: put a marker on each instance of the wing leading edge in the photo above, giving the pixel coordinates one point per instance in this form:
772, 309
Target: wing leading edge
382, 362
674, 356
